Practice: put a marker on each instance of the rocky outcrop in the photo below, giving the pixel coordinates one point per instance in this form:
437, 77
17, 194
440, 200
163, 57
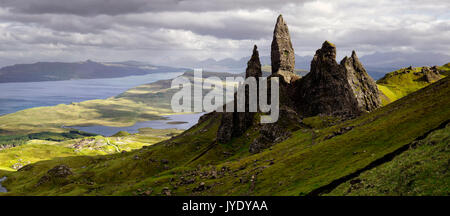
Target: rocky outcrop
426, 74
336, 89
282, 54
271, 134
60, 171
236, 123
431, 74
57, 174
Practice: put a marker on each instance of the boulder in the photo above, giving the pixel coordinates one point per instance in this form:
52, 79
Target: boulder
57, 174
431, 74
60, 171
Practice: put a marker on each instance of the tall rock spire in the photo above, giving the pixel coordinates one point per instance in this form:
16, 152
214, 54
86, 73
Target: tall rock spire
235, 123
254, 65
282, 53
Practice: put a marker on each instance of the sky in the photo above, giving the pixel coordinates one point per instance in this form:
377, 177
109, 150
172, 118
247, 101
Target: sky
174, 32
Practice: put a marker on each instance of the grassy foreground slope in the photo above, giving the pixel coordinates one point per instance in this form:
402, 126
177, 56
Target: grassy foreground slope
193, 163
421, 170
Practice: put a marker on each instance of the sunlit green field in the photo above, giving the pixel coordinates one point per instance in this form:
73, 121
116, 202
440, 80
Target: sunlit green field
37, 150
402, 82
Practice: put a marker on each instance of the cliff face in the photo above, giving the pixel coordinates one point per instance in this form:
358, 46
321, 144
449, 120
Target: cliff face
363, 86
336, 89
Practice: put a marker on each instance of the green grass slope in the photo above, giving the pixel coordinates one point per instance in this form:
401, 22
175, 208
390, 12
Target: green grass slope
399, 83
445, 69
421, 170
193, 163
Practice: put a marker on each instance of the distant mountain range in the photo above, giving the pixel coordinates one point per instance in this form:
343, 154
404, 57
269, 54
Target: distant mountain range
53, 71
238, 66
376, 64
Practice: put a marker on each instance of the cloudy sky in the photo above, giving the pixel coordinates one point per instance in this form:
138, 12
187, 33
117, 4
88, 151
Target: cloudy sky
168, 32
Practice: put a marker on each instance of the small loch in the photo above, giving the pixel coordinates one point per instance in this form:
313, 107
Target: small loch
181, 121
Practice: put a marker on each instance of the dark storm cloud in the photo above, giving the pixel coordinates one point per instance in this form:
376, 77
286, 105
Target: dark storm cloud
169, 31
78, 7
230, 25
116, 7
64, 23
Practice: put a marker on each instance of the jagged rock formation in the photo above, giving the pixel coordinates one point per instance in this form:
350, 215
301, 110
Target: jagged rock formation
282, 54
336, 89
236, 123
364, 87
330, 88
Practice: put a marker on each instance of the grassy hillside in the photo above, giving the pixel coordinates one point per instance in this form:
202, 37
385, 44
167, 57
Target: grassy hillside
445, 69
7, 141
193, 163
36, 150
421, 170
402, 82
